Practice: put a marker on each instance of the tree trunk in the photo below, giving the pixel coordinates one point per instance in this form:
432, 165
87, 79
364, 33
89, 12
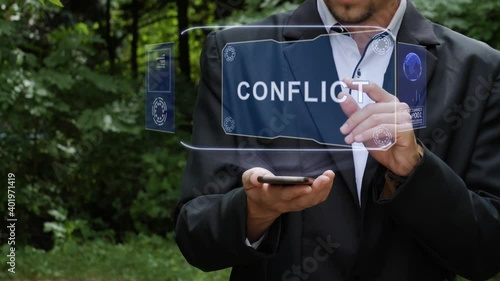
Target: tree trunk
135, 38
182, 19
109, 39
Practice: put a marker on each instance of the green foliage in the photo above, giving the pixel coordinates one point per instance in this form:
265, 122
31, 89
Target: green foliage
55, 2
475, 18
64, 230
142, 258
255, 10
71, 129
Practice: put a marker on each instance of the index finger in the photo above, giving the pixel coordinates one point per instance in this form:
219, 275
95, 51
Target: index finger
374, 91
349, 106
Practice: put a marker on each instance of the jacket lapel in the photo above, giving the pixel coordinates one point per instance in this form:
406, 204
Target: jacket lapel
306, 24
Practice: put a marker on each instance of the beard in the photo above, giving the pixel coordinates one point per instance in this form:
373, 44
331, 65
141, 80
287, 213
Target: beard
349, 14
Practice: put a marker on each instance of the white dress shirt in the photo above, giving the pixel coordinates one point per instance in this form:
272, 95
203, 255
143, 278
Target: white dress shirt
369, 66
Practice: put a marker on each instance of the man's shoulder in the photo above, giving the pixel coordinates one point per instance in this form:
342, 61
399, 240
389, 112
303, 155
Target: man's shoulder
463, 47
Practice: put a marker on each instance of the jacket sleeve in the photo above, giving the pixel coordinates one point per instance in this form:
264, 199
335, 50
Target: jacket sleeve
210, 218
456, 217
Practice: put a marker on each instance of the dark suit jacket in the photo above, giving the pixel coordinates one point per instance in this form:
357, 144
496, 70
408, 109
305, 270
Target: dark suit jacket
443, 221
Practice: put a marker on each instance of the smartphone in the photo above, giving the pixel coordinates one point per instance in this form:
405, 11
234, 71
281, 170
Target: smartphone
284, 180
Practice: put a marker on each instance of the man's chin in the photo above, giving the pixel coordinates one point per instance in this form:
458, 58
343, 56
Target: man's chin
350, 12
351, 15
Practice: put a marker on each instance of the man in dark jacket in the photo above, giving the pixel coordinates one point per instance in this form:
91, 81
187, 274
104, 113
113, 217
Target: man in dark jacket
427, 208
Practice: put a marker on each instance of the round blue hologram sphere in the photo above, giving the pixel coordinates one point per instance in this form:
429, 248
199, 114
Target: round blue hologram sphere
412, 67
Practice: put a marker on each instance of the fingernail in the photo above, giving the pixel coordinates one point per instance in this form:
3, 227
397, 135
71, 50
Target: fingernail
344, 128
358, 138
348, 139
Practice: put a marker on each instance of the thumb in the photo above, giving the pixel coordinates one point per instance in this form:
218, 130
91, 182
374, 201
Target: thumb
249, 177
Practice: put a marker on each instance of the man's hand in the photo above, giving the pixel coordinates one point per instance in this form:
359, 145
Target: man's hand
381, 124
265, 202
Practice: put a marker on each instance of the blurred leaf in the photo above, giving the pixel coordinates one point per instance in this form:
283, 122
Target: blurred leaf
59, 216
56, 228
62, 80
56, 2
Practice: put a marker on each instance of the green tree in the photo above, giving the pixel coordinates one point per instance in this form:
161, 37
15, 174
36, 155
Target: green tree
479, 19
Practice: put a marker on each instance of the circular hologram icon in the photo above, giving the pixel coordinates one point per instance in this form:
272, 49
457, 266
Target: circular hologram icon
382, 45
229, 124
382, 137
412, 67
159, 111
229, 53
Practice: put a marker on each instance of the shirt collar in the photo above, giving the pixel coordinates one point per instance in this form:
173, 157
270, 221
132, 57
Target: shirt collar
393, 27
